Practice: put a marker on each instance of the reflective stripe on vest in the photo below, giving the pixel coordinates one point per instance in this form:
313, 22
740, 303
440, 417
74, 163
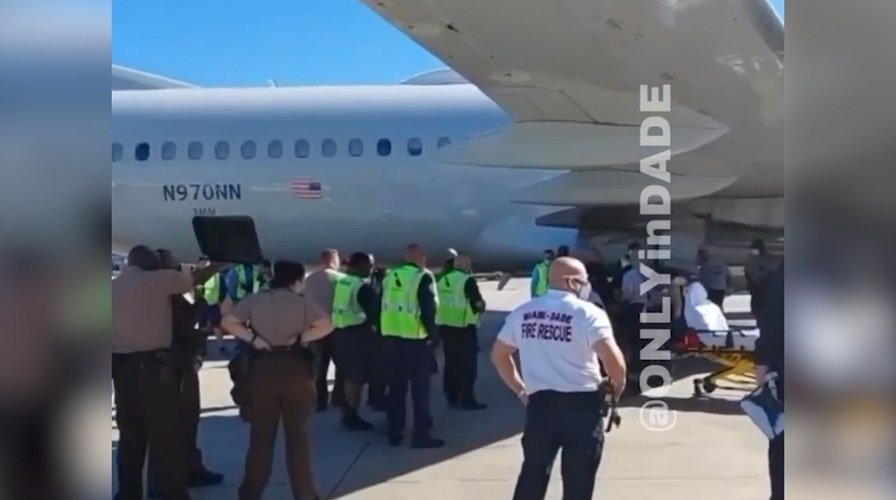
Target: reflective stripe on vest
400, 316
211, 290
346, 310
541, 272
454, 307
243, 279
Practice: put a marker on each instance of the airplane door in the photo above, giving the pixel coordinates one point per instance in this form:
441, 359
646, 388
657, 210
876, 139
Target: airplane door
228, 239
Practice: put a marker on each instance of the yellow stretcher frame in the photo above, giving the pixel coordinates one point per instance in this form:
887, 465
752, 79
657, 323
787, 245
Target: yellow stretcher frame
738, 363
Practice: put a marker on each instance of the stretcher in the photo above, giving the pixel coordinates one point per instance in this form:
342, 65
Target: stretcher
733, 349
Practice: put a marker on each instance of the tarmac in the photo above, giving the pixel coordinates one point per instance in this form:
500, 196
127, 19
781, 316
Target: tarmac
704, 448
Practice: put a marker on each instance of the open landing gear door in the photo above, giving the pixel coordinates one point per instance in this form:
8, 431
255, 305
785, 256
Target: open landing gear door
228, 239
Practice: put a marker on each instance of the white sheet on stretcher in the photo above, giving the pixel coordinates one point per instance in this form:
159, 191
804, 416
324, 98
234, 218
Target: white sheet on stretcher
709, 320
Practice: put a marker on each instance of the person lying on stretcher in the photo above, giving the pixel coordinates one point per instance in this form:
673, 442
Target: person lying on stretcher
707, 325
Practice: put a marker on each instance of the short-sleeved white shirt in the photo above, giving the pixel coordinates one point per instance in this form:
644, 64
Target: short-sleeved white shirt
555, 335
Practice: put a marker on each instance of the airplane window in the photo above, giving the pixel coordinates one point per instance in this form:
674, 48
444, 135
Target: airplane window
275, 149
384, 147
328, 148
141, 152
415, 146
169, 151
443, 141
248, 150
222, 150
355, 147
303, 148
117, 152
194, 150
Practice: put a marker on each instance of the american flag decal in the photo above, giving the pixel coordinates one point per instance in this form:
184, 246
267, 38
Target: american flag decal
305, 189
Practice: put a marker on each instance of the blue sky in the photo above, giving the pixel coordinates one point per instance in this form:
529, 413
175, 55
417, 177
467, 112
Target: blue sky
246, 42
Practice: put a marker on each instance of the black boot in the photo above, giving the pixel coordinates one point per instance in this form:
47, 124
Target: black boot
425, 440
471, 404
354, 423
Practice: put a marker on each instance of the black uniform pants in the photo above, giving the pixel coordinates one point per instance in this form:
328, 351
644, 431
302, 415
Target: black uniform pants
379, 374
325, 352
192, 407
630, 331
776, 467
149, 414
716, 296
555, 421
410, 364
459, 373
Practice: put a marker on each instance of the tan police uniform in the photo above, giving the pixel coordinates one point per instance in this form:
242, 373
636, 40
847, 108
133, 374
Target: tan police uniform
281, 387
319, 288
147, 392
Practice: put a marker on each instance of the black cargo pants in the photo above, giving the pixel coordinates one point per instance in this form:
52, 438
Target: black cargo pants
148, 413
561, 421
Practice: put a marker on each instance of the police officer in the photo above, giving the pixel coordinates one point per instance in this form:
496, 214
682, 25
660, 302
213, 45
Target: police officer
407, 321
188, 346
560, 337
355, 312
319, 288
376, 389
760, 265
145, 378
281, 379
770, 358
538, 284
459, 310
714, 274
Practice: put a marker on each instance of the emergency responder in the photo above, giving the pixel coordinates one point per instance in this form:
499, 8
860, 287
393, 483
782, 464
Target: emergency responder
188, 345
562, 341
460, 307
145, 377
376, 389
407, 321
714, 275
601, 279
632, 304
264, 274
449, 263
538, 284
770, 358
563, 251
213, 292
281, 378
319, 288
242, 280
355, 316
760, 265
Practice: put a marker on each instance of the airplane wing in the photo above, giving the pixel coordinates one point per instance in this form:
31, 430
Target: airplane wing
573, 69
132, 79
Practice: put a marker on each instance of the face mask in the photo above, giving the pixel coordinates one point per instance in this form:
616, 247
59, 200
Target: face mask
754, 251
584, 291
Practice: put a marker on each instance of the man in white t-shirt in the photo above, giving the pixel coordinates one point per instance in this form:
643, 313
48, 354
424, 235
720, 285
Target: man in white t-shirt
562, 340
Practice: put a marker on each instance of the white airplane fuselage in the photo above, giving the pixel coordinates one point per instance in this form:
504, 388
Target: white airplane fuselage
370, 199
370, 202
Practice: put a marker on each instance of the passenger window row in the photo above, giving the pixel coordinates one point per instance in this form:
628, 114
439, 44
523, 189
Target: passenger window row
248, 150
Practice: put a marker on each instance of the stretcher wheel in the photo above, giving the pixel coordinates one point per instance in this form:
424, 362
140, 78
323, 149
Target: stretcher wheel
709, 386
